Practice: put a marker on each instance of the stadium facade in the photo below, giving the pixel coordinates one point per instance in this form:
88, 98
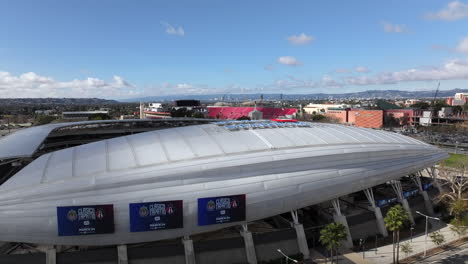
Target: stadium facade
179, 181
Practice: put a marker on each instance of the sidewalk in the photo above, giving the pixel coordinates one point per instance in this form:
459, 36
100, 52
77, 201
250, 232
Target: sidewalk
384, 254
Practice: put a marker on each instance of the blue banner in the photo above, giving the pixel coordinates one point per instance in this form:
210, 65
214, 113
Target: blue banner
85, 220
156, 215
427, 186
410, 193
384, 202
219, 210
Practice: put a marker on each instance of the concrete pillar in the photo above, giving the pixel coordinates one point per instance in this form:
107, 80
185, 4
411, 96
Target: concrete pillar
122, 254
428, 203
302, 240
51, 256
339, 218
396, 185
380, 222
301, 236
378, 213
189, 251
249, 245
405, 204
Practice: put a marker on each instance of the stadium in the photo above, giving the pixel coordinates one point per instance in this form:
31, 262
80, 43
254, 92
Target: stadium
206, 176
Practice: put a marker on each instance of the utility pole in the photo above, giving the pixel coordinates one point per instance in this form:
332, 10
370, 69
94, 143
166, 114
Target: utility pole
425, 239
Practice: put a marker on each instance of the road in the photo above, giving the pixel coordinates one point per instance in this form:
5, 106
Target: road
452, 150
457, 255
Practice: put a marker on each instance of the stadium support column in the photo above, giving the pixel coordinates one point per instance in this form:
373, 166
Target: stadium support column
141, 111
249, 245
433, 173
51, 255
427, 201
378, 213
338, 217
396, 185
189, 252
122, 254
301, 237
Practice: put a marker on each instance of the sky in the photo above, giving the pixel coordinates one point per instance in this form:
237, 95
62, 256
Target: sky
119, 49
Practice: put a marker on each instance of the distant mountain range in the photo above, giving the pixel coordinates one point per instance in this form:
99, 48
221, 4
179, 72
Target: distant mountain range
371, 94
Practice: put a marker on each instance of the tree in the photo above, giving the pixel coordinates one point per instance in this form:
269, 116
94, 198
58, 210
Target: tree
99, 117
394, 220
437, 238
459, 226
420, 105
407, 248
453, 182
457, 110
331, 237
44, 119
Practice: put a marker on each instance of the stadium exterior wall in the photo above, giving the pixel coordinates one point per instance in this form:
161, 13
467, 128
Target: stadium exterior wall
278, 169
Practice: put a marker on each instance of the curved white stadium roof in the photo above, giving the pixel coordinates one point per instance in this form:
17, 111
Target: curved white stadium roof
25, 142
279, 169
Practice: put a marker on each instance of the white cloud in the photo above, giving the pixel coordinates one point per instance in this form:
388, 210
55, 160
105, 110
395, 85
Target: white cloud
342, 70
361, 69
289, 60
171, 30
31, 85
394, 28
455, 10
300, 39
451, 70
463, 46
184, 86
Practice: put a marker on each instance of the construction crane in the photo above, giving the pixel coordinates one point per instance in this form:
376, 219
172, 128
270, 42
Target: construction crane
435, 95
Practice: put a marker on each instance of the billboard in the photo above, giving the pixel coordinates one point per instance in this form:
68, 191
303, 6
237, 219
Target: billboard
85, 220
156, 215
219, 210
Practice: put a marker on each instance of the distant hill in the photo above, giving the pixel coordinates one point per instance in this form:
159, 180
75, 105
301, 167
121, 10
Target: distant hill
372, 94
57, 101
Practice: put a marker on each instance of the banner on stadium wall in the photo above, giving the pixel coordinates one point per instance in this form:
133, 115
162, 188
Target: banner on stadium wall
384, 202
410, 193
156, 216
85, 220
219, 210
427, 186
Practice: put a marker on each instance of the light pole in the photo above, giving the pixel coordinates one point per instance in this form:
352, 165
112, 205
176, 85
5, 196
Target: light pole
287, 258
425, 239
411, 233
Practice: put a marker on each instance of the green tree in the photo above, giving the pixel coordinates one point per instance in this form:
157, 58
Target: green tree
420, 105
44, 119
394, 220
407, 248
459, 226
437, 238
331, 237
99, 117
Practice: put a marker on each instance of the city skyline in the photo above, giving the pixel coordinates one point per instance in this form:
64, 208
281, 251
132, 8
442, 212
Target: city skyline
123, 49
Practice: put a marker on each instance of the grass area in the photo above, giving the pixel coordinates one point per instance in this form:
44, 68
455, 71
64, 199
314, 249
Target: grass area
455, 160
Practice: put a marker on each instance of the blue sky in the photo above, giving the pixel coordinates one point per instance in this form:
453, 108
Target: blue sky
124, 49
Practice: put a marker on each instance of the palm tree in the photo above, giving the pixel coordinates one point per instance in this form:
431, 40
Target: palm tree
394, 220
331, 237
